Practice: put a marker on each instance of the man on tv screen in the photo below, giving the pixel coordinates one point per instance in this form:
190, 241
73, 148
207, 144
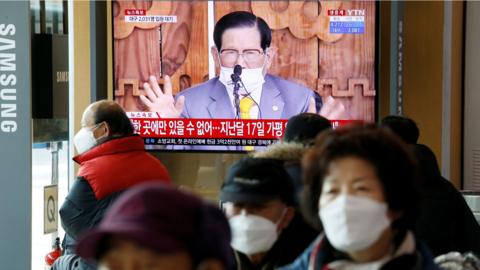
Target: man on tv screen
244, 89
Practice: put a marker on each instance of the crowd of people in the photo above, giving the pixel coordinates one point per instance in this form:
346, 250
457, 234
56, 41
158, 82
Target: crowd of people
355, 197
359, 197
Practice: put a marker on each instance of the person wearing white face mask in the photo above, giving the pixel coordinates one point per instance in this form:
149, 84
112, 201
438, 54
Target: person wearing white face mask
112, 159
359, 186
241, 39
259, 201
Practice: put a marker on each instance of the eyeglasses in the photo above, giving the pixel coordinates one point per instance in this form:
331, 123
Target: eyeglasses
231, 56
92, 127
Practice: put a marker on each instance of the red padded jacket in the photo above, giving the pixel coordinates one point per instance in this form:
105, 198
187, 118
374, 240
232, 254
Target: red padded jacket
119, 164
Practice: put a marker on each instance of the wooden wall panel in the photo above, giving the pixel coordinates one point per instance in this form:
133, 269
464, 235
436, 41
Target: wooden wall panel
224, 7
304, 19
183, 55
353, 56
176, 38
188, 63
135, 59
295, 58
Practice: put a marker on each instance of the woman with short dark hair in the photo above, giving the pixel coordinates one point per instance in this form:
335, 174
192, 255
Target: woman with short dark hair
360, 188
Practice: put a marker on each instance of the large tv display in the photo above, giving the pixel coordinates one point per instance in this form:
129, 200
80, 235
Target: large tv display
227, 75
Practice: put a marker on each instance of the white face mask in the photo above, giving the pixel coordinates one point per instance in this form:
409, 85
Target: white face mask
84, 140
353, 223
252, 234
252, 78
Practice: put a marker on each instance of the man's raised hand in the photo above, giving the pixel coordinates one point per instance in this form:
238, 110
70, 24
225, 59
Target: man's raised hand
160, 101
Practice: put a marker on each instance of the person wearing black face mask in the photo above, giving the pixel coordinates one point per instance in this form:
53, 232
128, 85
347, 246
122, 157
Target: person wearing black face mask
112, 159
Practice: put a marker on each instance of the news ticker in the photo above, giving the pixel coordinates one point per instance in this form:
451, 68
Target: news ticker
193, 131
210, 141
185, 128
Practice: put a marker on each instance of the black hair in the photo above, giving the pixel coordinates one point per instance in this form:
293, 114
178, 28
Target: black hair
404, 127
395, 167
240, 19
111, 113
304, 127
428, 165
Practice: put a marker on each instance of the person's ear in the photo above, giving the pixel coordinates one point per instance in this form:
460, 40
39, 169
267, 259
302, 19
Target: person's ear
102, 131
287, 218
270, 53
216, 55
216, 58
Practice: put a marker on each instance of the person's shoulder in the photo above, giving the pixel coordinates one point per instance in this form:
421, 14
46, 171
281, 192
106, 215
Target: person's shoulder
287, 85
199, 88
303, 260
442, 189
426, 256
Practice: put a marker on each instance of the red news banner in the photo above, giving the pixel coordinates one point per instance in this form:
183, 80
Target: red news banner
209, 128
158, 130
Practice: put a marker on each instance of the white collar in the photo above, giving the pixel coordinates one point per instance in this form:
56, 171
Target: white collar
407, 247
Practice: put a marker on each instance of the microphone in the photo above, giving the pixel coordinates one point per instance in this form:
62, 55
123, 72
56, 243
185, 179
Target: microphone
237, 71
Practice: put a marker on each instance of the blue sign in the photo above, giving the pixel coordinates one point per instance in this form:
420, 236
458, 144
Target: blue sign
347, 24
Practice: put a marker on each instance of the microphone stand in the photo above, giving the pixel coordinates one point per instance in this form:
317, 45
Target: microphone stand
236, 98
236, 87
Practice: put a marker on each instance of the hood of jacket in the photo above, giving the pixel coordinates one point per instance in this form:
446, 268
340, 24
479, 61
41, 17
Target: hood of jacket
286, 151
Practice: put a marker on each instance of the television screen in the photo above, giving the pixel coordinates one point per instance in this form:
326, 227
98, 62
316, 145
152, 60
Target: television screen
227, 75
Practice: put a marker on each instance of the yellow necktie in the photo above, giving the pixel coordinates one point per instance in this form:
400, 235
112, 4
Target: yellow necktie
246, 105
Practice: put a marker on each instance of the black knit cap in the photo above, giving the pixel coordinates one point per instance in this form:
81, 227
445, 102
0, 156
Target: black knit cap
257, 180
305, 127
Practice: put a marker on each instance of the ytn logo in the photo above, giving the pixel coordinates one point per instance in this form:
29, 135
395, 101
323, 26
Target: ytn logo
348, 12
